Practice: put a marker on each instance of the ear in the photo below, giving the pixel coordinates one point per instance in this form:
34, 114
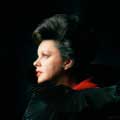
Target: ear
68, 64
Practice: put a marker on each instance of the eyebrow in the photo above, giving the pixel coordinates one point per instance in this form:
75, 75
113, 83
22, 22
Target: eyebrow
44, 51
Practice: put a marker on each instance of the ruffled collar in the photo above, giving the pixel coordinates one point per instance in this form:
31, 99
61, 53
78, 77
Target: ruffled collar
49, 89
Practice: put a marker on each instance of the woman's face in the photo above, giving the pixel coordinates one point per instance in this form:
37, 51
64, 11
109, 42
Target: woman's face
49, 62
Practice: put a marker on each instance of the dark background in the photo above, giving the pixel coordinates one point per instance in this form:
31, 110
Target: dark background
17, 48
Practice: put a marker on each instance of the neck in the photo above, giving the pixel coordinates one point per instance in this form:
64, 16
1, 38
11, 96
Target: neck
65, 80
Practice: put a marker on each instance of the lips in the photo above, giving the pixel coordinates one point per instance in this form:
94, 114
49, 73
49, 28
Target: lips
38, 73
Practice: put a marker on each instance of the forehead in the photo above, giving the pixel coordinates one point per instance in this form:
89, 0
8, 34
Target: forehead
48, 45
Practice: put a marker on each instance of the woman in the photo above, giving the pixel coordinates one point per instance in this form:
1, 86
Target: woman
73, 44
65, 49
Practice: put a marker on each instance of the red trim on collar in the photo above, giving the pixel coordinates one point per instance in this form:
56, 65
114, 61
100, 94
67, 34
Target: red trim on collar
84, 85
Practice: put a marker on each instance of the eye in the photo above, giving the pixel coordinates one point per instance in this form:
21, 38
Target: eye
45, 55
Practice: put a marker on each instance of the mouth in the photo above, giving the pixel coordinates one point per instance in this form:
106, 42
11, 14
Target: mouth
38, 73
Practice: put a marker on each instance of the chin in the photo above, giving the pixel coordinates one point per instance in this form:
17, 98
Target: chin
39, 81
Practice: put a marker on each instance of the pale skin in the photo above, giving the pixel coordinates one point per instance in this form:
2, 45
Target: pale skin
50, 65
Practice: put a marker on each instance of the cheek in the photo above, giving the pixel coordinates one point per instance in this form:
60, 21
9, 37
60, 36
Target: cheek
52, 67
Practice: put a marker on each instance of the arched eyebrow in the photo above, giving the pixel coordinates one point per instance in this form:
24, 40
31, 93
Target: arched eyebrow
44, 52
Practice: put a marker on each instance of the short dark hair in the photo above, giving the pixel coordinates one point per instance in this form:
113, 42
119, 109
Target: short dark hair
75, 39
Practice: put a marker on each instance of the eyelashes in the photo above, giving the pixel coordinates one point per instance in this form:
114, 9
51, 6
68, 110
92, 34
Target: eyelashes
45, 55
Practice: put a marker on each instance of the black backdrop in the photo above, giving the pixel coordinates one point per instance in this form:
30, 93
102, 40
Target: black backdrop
17, 24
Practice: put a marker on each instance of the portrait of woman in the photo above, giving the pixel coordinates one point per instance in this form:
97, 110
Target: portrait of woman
65, 50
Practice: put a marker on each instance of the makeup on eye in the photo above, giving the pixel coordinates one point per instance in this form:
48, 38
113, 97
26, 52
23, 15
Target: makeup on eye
45, 55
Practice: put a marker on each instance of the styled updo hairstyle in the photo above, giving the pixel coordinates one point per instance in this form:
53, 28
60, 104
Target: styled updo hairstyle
76, 41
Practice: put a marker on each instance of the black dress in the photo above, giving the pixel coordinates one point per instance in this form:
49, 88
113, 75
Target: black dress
50, 102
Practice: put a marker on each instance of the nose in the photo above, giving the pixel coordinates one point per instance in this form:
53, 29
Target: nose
36, 62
